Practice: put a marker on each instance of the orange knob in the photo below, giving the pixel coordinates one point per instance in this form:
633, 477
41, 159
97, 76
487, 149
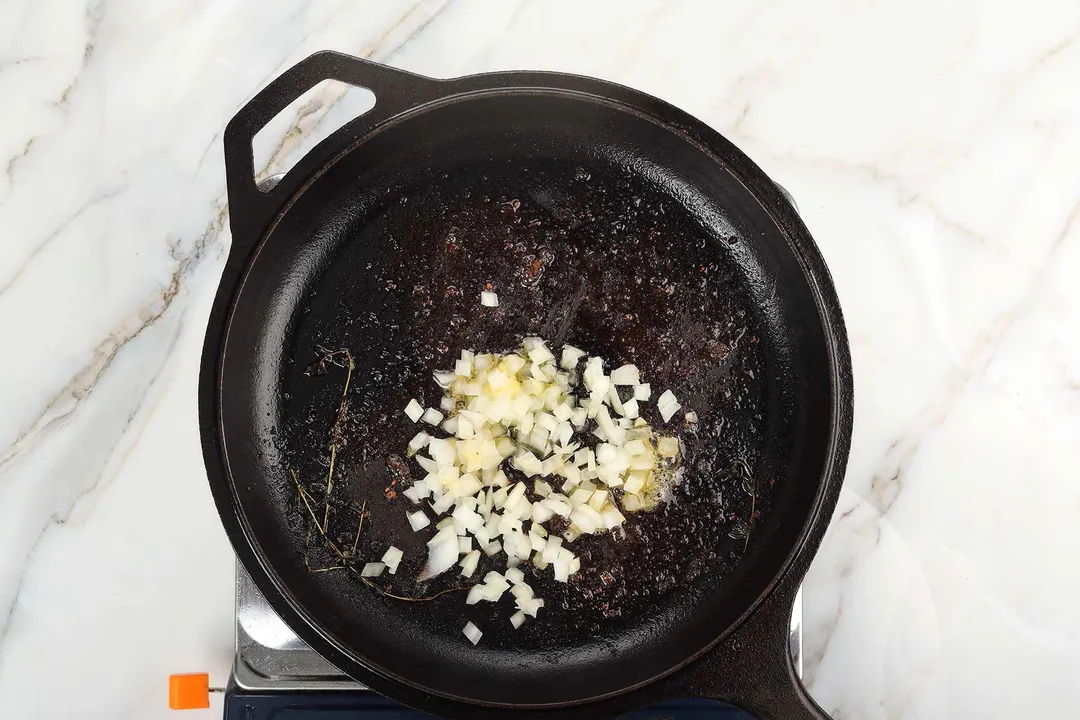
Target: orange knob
189, 691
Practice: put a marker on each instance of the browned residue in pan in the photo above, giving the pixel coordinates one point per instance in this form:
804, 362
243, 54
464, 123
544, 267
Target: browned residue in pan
601, 262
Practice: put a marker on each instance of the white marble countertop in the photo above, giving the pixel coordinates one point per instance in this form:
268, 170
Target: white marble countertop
933, 149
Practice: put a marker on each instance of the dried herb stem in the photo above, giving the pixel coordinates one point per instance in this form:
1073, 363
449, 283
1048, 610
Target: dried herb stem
335, 433
412, 599
742, 530
320, 367
359, 527
304, 497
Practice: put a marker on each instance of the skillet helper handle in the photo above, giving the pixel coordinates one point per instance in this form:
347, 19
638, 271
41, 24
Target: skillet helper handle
752, 668
251, 209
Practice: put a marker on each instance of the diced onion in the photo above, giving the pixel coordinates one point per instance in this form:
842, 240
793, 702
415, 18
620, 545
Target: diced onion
538, 414
571, 356
489, 299
668, 405
529, 606
441, 554
392, 557
419, 441
372, 569
625, 375
540, 354
472, 632
418, 520
667, 447
414, 410
469, 563
527, 463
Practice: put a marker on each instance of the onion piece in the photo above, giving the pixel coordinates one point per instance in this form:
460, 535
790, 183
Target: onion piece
517, 619
541, 513
446, 533
472, 632
666, 397
539, 354
392, 557
625, 375
612, 517
441, 555
489, 593
614, 400
612, 432
667, 447
527, 463
414, 410
374, 569
529, 606
432, 416
642, 392
571, 356
557, 506
469, 562
419, 442
418, 520
668, 405
580, 496
489, 299
521, 590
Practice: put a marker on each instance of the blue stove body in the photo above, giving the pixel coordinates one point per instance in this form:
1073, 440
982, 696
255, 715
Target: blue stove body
365, 705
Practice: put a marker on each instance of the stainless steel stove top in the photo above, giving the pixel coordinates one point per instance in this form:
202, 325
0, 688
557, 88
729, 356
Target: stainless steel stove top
270, 657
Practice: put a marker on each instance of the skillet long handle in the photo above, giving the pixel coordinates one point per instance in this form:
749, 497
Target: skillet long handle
250, 209
752, 668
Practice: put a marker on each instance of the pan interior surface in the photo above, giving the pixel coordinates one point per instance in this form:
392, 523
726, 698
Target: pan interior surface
596, 226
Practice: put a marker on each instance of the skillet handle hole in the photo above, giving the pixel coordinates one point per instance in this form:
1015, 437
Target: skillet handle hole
303, 124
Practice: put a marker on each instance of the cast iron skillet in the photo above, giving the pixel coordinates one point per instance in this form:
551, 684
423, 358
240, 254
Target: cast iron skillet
602, 217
